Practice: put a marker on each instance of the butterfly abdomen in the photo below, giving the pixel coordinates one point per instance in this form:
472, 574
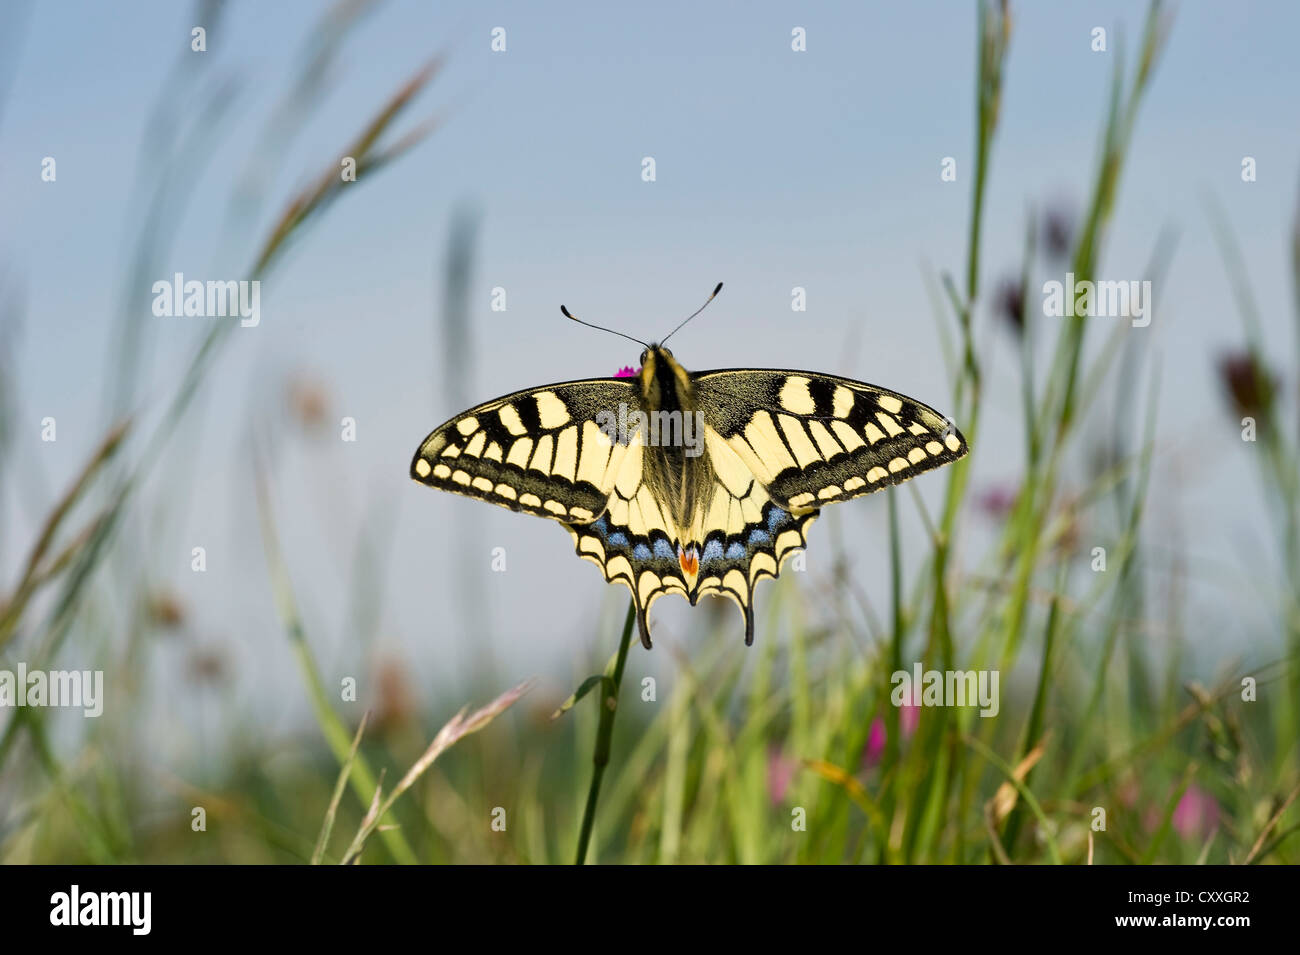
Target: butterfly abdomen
677, 471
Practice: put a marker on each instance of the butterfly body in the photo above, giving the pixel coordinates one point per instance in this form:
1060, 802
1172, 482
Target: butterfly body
673, 475
691, 483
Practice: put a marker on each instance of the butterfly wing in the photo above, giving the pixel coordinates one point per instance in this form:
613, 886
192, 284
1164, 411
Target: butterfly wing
634, 542
740, 535
747, 534
812, 439
540, 451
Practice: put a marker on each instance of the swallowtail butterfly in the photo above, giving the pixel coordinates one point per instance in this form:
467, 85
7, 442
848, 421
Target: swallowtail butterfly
687, 482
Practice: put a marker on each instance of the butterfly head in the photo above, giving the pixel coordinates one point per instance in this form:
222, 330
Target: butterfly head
663, 381
662, 376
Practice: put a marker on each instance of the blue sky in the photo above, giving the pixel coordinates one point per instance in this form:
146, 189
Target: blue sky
775, 169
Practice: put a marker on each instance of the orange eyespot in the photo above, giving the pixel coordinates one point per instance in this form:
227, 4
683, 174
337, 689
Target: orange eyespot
690, 561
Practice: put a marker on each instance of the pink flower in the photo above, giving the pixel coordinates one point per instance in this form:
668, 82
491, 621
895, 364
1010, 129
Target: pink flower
875, 742
909, 715
780, 772
627, 372
1197, 813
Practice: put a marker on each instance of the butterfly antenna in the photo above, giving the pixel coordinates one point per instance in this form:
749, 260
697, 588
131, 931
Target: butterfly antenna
716, 290
569, 315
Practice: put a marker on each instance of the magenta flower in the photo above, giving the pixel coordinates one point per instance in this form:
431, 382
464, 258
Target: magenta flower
627, 372
1197, 813
909, 715
780, 772
875, 742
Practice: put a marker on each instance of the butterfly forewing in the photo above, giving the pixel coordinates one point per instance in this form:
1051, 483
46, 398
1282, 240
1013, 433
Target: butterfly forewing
539, 451
813, 439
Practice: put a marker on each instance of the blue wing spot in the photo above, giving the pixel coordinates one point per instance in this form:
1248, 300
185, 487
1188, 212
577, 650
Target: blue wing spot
712, 551
664, 550
775, 519
735, 550
618, 539
600, 526
641, 552
757, 536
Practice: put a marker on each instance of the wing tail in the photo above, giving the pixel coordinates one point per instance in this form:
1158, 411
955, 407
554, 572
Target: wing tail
642, 623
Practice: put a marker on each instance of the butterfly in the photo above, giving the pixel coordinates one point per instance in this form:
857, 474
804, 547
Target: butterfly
696, 483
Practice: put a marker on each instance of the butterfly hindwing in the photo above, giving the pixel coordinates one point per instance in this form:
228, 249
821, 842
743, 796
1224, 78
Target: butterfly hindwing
539, 451
739, 536
813, 439
746, 534
634, 542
